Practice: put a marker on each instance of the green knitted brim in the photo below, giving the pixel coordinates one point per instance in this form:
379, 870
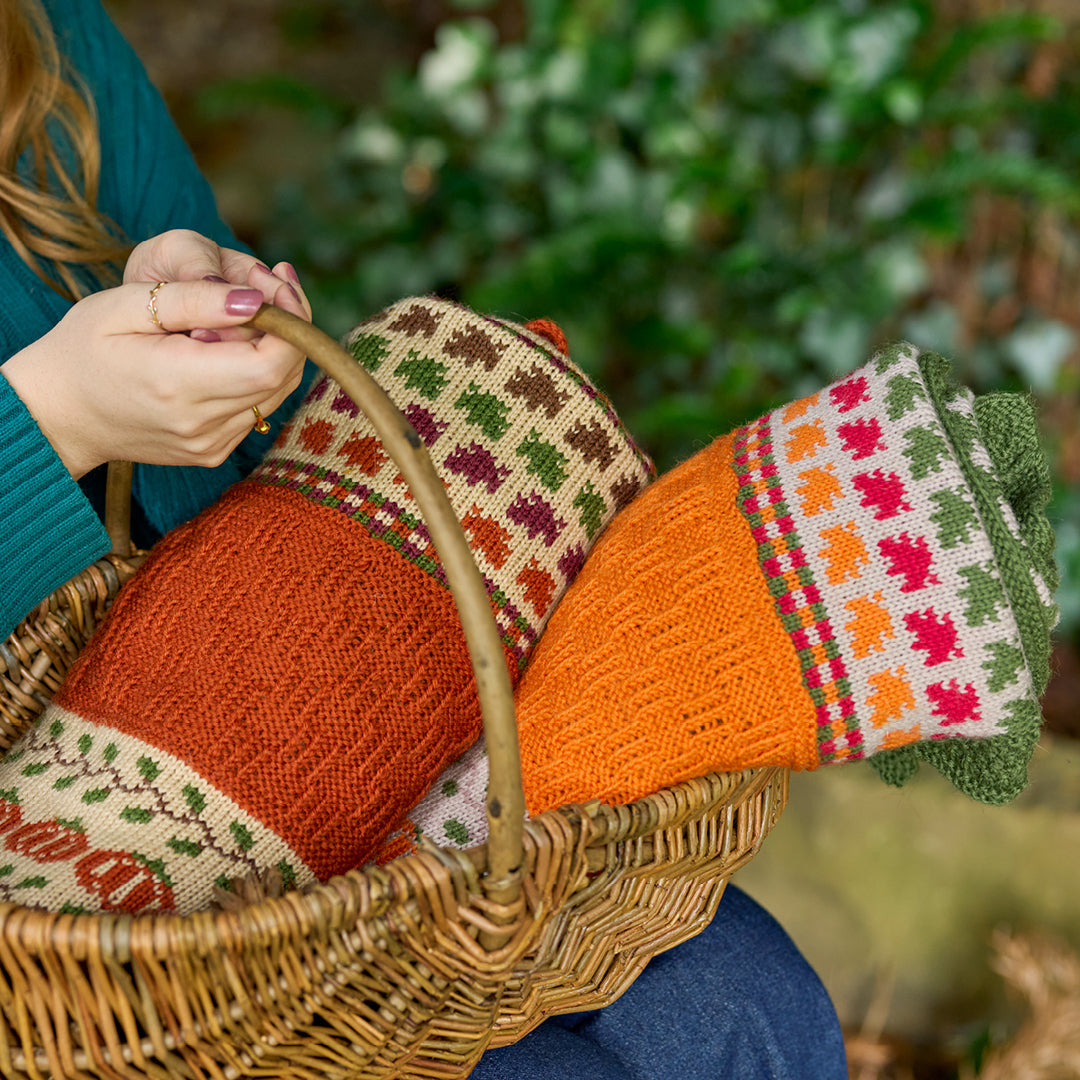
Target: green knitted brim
994, 770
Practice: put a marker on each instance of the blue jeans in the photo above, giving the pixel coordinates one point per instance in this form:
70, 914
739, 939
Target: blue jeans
737, 1002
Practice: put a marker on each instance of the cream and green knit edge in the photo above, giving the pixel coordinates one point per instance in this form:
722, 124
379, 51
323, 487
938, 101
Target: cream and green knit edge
996, 442
72, 781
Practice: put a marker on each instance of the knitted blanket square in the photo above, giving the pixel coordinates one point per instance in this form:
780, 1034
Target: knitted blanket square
863, 573
286, 674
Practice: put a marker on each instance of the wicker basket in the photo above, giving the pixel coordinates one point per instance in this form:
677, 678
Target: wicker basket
408, 970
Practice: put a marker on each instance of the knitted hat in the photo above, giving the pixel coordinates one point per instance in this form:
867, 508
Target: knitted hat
287, 674
866, 571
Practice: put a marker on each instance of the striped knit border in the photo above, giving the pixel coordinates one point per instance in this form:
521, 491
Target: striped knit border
797, 597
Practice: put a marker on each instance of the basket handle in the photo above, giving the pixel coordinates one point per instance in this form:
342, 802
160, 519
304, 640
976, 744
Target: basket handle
506, 799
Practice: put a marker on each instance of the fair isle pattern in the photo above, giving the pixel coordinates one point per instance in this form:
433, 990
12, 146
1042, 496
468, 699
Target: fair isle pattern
105, 822
796, 593
454, 811
907, 579
533, 457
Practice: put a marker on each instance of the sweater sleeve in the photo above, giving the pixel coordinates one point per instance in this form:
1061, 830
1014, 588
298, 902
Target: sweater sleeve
51, 532
149, 180
149, 183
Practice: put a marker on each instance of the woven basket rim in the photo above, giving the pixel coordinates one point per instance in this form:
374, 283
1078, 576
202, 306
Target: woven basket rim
370, 890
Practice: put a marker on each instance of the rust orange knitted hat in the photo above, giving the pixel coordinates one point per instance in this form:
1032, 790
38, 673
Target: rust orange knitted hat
865, 572
286, 674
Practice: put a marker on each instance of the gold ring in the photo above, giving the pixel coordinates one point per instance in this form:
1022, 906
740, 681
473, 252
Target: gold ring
152, 306
261, 425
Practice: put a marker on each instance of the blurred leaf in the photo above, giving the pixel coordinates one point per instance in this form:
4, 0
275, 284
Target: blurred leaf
1038, 349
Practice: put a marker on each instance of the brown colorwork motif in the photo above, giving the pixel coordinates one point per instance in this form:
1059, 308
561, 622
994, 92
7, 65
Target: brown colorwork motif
538, 390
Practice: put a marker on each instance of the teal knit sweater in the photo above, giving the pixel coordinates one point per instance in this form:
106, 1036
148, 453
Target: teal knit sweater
149, 183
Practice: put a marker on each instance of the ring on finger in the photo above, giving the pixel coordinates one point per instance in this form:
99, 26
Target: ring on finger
151, 305
261, 425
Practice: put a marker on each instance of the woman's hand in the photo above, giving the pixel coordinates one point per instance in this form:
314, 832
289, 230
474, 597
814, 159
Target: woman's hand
183, 255
107, 383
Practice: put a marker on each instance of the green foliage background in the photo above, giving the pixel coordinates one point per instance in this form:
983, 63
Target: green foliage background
725, 203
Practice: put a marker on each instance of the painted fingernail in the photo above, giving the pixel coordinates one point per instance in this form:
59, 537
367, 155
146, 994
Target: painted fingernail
243, 302
263, 266
296, 296
215, 278
291, 274
205, 335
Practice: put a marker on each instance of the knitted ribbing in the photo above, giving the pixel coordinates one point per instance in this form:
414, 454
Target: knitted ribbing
914, 605
287, 675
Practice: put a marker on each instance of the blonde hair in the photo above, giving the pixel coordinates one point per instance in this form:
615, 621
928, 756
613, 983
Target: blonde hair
49, 214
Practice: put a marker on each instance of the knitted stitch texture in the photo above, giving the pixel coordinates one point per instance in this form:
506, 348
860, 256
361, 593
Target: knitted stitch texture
843, 577
286, 675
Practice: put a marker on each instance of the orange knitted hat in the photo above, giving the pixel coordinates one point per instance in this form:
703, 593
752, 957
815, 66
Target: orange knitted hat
286, 675
863, 572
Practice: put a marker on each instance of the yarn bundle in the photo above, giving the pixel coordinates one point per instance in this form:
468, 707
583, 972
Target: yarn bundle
286, 675
863, 573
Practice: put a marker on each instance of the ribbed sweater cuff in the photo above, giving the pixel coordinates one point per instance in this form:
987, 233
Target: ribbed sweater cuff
51, 532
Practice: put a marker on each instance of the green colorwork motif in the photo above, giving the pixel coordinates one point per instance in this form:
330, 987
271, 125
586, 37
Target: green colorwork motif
484, 410
84, 744
926, 450
887, 358
136, 815
456, 832
370, 350
902, 394
155, 866
955, 518
424, 374
148, 769
984, 594
184, 847
1004, 665
545, 462
449, 788
96, 795
194, 798
36, 769
593, 508
242, 835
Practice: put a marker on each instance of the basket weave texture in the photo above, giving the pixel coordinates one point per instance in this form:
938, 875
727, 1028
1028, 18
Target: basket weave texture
408, 970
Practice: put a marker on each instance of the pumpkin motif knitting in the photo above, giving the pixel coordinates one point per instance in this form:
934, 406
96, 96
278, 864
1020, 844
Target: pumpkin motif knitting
286, 674
866, 571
